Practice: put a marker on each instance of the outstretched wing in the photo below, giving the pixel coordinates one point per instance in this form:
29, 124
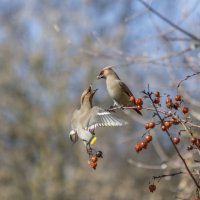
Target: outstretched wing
100, 117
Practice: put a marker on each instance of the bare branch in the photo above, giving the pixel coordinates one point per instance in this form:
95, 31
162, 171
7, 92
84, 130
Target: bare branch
169, 22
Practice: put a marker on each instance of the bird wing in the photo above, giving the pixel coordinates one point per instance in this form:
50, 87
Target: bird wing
100, 117
125, 88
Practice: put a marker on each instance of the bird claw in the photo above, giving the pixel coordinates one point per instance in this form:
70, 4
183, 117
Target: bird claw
112, 108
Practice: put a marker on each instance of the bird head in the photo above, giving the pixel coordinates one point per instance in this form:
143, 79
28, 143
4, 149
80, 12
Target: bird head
105, 72
88, 94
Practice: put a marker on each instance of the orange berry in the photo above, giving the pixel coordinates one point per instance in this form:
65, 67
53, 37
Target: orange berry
151, 124
152, 188
138, 101
93, 159
167, 124
139, 107
132, 99
177, 98
143, 144
157, 93
93, 165
185, 110
147, 125
168, 100
176, 140
163, 127
148, 138
138, 147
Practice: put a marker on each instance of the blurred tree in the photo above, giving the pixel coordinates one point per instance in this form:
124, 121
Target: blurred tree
49, 52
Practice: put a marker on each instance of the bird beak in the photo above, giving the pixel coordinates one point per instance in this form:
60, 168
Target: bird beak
94, 91
99, 77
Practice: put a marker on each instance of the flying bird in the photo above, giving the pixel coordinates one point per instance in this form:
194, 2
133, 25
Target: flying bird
86, 119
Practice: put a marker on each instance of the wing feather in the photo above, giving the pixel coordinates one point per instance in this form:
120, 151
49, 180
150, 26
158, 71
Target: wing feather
125, 88
100, 117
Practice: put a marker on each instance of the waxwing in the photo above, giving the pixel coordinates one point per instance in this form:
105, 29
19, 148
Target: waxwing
117, 89
86, 119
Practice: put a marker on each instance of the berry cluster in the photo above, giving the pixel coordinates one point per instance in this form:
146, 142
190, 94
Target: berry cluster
93, 162
167, 121
169, 102
143, 145
167, 116
137, 101
94, 158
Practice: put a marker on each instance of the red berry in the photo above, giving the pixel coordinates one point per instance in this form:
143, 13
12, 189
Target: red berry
176, 105
157, 93
176, 140
147, 125
138, 101
148, 138
185, 110
168, 100
163, 127
93, 165
151, 124
132, 99
138, 147
143, 144
152, 188
193, 140
167, 124
177, 98
139, 107
156, 100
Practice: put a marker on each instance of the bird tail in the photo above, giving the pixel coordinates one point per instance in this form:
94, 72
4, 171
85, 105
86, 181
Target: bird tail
138, 111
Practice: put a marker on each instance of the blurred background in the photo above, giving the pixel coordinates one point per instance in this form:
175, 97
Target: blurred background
50, 51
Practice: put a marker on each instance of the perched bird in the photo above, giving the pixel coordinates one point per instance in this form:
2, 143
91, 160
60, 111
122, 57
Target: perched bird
117, 89
86, 119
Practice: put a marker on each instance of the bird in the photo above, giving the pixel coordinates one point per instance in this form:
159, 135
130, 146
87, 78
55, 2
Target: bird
88, 117
117, 89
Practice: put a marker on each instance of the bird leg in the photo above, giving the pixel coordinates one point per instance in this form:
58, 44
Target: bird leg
89, 148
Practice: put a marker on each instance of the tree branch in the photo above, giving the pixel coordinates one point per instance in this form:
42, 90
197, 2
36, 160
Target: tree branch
169, 22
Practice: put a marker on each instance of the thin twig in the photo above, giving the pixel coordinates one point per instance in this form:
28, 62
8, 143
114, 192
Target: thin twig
186, 78
167, 175
169, 22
